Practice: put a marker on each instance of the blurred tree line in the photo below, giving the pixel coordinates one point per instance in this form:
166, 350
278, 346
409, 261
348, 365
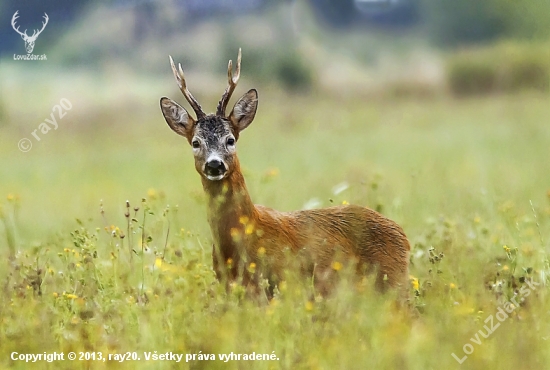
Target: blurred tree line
454, 22
447, 22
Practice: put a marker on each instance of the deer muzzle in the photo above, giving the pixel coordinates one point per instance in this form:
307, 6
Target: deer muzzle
215, 169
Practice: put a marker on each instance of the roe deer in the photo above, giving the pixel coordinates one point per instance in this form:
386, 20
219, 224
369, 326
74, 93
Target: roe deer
247, 235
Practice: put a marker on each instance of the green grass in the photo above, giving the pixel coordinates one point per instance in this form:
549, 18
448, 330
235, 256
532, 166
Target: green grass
458, 175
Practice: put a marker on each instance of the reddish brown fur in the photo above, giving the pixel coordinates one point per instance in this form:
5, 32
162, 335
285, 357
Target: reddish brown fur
318, 237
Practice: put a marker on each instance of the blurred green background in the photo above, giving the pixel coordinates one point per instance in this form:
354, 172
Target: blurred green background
433, 112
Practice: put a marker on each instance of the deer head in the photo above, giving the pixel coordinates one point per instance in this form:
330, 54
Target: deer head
213, 137
29, 40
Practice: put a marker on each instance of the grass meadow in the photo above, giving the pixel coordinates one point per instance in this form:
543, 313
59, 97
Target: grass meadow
468, 179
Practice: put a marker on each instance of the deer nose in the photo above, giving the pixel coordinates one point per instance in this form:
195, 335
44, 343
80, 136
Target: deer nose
215, 167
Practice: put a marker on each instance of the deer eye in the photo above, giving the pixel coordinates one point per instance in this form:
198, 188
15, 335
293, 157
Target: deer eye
196, 144
230, 141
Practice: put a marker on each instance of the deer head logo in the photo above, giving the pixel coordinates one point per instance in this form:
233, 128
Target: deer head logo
29, 40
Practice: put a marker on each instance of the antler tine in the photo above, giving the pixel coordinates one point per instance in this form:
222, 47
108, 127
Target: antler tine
46, 19
13, 19
180, 79
232, 81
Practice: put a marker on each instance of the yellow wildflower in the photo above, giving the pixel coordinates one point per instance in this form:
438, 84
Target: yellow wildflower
152, 193
272, 172
337, 266
235, 234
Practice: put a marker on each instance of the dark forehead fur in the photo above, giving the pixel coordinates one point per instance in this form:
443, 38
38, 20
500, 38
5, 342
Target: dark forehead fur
212, 128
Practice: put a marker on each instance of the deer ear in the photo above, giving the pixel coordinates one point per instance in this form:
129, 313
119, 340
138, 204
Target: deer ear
177, 117
244, 110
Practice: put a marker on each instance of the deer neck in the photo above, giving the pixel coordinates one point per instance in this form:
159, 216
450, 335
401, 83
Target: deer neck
229, 210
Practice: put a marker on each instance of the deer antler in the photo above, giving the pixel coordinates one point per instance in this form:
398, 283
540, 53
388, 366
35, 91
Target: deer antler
233, 80
13, 19
180, 79
35, 34
24, 34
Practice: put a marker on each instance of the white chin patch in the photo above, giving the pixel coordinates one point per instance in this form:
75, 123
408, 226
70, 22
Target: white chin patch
215, 178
